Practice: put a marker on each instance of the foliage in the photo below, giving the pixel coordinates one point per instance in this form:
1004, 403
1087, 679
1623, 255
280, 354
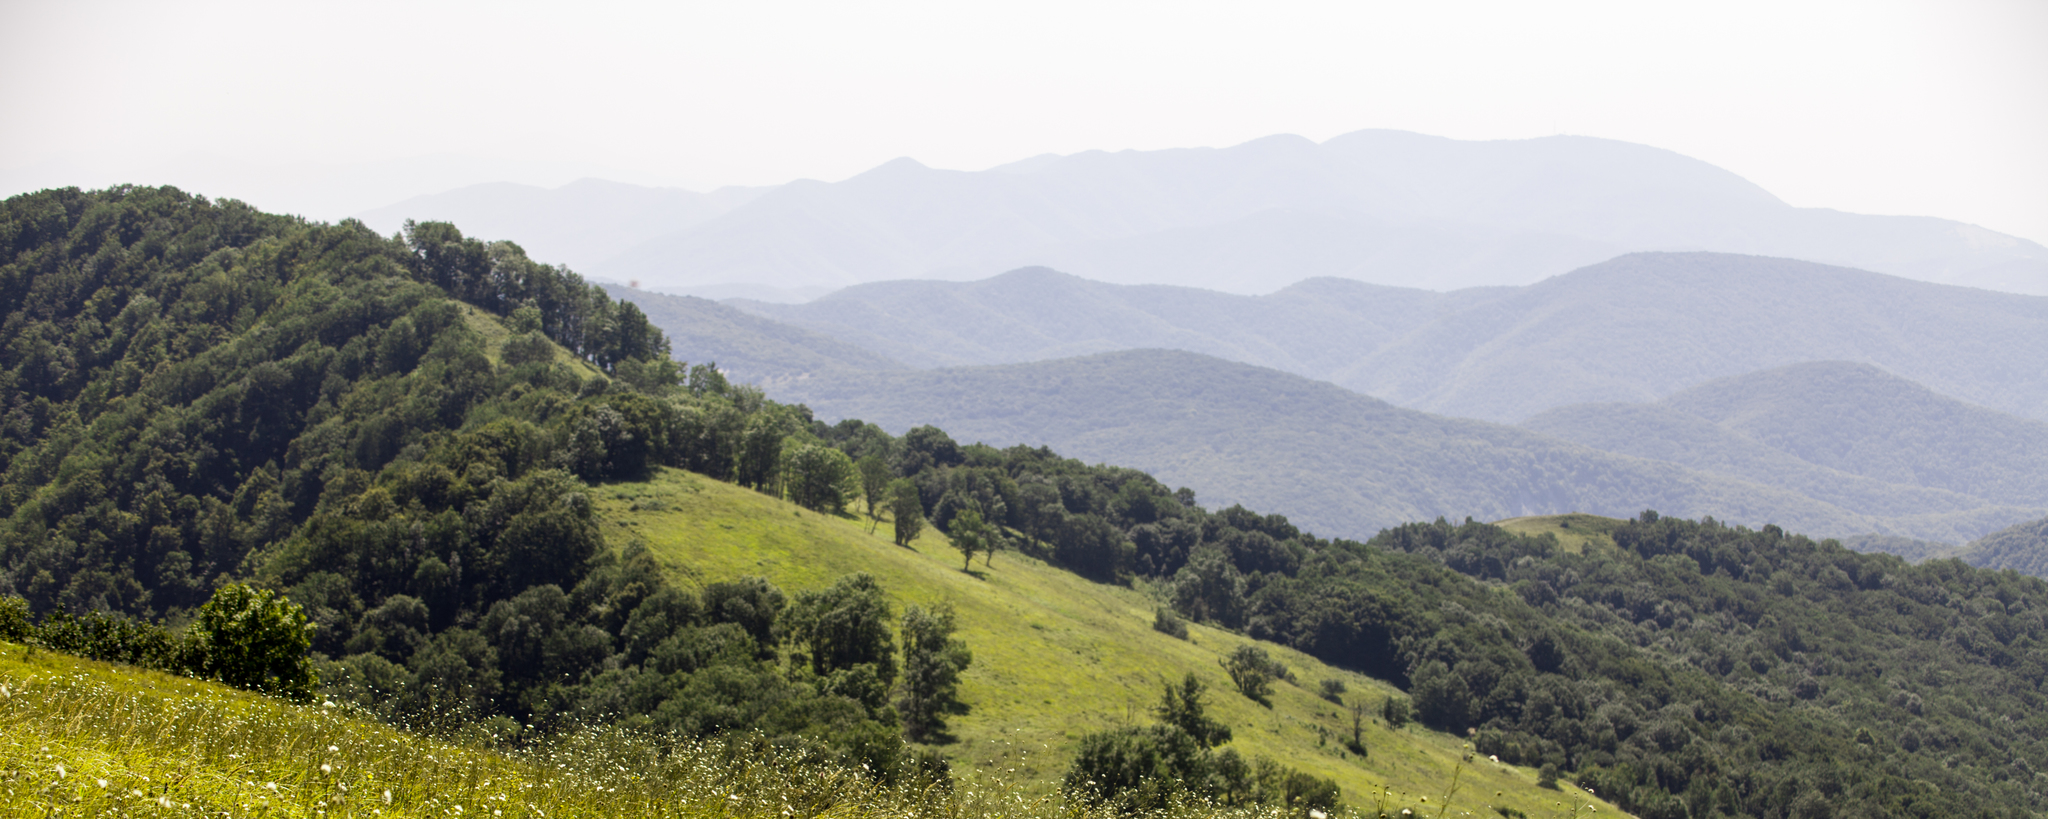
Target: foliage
253, 639
1168, 622
1151, 768
932, 663
970, 535
1181, 707
1251, 670
906, 511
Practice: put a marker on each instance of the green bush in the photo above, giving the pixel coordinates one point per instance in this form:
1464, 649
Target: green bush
254, 640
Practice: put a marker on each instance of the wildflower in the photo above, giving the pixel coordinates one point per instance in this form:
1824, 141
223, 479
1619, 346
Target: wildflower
1316, 814
103, 783
270, 786
387, 796
333, 749
326, 768
60, 769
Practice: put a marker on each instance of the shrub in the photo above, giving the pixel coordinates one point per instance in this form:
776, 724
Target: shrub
1165, 621
254, 640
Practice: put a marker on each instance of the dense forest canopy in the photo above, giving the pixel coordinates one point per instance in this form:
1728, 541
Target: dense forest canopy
399, 433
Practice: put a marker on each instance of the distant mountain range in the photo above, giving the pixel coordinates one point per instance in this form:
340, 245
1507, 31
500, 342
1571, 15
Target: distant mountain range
1381, 206
1335, 461
1633, 329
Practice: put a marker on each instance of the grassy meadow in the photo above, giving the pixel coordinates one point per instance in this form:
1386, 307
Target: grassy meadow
1057, 656
1576, 532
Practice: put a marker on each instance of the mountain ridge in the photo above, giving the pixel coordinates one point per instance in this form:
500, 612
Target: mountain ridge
1336, 461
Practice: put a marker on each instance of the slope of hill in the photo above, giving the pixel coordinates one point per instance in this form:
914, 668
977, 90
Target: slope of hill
1337, 461
1859, 419
1658, 432
1630, 329
1379, 206
79, 737
750, 347
2021, 546
1055, 655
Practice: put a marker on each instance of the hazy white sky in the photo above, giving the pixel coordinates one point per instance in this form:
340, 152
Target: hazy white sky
1934, 108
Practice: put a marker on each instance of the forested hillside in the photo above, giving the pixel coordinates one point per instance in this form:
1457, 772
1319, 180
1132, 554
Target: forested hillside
1337, 461
1848, 434
409, 437
1634, 328
2021, 546
1864, 421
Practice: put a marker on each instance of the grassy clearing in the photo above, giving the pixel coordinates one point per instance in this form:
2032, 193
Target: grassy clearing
1576, 532
1057, 656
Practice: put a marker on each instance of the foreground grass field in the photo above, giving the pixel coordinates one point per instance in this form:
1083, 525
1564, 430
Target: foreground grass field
82, 738
1057, 656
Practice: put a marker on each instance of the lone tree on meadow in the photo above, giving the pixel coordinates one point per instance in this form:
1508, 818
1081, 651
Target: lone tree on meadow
1252, 671
970, 535
906, 510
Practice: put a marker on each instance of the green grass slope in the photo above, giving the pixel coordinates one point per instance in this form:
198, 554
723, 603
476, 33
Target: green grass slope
1055, 656
84, 738
1576, 532
1331, 460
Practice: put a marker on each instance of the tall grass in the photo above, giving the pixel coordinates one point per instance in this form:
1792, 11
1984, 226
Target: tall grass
79, 739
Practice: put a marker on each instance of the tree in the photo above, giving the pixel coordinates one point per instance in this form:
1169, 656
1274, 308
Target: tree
1357, 711
1252, 671
257, 641
846, 625
874, 486
932, 663
969, 534
1181, 707
817, 477
1395, 711
1442, 699
906, 510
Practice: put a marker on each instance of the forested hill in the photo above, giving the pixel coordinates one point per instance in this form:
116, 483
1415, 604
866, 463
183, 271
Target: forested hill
403, 433
1634, 328
187, 383
1846, 433
1335, 460
2021, 546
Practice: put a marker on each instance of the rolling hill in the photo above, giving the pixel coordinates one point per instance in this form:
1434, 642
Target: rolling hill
1333, 460
1055, 655
1862, 420
2022, 547
1631, 329
1850, 434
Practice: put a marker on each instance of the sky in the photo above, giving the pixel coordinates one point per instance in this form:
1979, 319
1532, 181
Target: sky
328, 109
